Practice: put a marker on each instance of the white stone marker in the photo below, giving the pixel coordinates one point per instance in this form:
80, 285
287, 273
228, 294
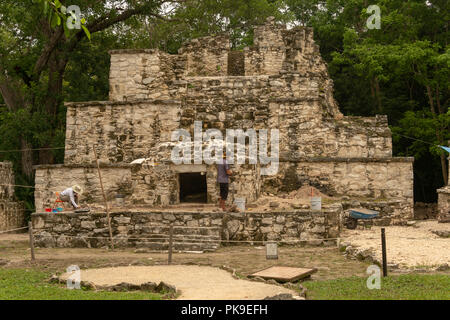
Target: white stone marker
271, 250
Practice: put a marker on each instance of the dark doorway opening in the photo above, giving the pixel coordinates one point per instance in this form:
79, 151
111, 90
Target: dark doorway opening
236, 63
193, 187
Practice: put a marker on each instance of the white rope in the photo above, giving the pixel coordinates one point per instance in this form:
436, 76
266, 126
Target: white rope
6, 231
177, 237
200, 240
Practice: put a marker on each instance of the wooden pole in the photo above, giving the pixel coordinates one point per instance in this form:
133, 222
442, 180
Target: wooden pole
170, 243
383, 249
30, 232
104, 198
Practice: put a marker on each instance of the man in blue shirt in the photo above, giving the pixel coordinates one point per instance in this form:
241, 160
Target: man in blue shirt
223, 173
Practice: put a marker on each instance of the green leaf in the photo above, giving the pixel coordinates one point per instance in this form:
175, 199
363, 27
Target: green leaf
54, 21
45, 7
66, 31
88, 34
57, 4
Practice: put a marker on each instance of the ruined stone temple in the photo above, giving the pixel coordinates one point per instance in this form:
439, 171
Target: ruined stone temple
11, 212
281, 82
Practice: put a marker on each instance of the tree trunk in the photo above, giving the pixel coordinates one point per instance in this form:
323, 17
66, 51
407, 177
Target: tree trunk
438, 133
54, 98
27, 157
377, 90
444, 169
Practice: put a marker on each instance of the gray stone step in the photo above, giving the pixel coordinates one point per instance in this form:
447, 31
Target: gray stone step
189, 246
184, 239
203, 231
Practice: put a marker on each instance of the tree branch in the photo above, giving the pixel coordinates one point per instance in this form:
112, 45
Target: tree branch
103, 23
46, 52
11, 96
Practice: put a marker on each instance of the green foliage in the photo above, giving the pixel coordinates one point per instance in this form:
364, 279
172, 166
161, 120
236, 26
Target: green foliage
193, 19
57, 14
403, 287
23, 284
401, 70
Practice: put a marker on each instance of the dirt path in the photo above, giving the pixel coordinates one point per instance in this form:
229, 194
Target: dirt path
194, 282
409, 247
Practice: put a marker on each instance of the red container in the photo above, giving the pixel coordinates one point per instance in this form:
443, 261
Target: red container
48, 210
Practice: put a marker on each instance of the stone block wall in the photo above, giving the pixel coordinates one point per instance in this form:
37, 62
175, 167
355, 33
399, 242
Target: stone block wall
125, 131
121, 131
56, 178
148, 185
444, 200
143, 74
12, 213
6, 180
269, 50
206, 56
134, 229
376, 180
444, 204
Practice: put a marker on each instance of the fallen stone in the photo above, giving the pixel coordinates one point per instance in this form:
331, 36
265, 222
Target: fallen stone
166, 288
296, 205
281, 296
271, 281
259, 279
124, 286
3, 262
441, 233
142, 250
443, 267
149, 286
54, 279
274, 205
88, 285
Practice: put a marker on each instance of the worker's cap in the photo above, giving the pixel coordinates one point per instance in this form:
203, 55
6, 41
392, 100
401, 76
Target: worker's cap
77, 189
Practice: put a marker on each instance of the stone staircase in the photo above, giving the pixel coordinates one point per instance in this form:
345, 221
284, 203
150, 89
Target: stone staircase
205, 239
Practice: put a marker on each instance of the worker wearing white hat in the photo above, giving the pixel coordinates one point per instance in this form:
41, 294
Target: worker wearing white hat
70, 194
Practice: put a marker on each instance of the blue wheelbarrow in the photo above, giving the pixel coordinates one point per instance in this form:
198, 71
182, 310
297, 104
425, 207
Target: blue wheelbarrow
355, 214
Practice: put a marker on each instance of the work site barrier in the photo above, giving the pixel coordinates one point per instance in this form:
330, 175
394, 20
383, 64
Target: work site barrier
170, 240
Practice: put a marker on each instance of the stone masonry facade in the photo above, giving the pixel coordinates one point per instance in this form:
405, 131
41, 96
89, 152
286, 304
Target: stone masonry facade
191, 230
444, 200
281, 82
12, 213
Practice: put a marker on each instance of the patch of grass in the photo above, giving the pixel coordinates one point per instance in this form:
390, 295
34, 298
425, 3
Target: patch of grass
23, 284
402, 287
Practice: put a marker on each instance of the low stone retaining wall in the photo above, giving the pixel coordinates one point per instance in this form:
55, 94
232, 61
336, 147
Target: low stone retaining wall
12, 215
145, 229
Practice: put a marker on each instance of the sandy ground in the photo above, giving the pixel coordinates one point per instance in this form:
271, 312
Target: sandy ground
409, 247
194, 282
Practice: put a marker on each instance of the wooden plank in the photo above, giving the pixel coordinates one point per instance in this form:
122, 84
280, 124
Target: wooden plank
284, 274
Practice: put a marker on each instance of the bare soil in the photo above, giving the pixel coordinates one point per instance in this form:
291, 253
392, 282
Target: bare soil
408, 246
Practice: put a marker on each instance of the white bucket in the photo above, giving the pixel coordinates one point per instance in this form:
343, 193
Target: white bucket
316, 203
240, 204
